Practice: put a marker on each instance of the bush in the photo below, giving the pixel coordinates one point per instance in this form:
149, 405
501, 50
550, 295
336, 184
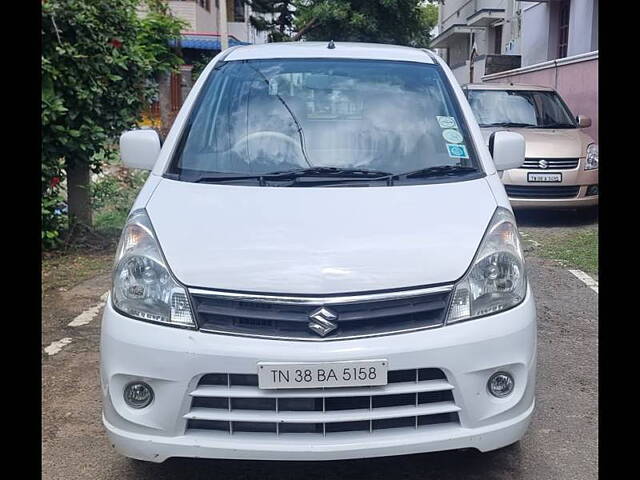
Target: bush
99, 60
113, 195
53, 216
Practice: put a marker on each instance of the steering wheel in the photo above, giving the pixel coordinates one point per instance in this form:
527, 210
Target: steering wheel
271, 134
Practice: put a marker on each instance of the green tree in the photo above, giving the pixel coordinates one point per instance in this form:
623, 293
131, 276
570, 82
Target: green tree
429, 19
99, 60
401, 22
274, 17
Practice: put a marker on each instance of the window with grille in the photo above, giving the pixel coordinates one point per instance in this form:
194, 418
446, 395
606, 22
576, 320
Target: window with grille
236, 14
563, 38
497, 45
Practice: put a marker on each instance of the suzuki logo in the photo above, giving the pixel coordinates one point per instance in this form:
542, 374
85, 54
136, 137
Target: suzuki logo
321, 321
543, 164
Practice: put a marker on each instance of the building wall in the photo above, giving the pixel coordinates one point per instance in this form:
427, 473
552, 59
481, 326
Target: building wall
594, 27
461, 73
206, 21
575, 78
580, 26
457, 12
535, 34
202, 21
185, 11
540, 30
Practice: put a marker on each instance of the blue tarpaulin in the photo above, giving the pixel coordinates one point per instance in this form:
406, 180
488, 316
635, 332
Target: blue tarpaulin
206, 42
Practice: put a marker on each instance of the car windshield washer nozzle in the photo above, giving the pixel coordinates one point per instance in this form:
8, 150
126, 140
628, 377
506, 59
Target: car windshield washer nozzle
331, 45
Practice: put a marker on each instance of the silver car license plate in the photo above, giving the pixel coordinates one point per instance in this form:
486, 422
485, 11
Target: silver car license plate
361, 373
544, 177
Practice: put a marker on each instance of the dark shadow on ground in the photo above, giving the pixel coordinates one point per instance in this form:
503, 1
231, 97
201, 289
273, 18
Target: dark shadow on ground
582, 217
452, 465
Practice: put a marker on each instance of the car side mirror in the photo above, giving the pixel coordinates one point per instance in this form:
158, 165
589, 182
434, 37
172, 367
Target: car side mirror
507, 150
583, 121
140, 148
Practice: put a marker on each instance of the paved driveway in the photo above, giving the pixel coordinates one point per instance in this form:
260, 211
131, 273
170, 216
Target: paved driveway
560, 444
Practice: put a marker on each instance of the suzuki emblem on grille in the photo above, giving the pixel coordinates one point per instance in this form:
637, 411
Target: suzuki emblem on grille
543, 164
321, 321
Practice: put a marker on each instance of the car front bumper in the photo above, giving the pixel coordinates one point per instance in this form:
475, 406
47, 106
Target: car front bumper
173, 360
580, 179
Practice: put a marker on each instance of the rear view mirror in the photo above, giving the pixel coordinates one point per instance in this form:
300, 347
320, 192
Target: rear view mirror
507, 150
583, 121
140, 148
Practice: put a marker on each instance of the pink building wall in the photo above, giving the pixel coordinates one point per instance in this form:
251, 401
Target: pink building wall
576, 82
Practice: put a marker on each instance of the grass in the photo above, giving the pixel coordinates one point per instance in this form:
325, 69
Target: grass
110, 222
85, 253
65, 270
113, 194
575, 249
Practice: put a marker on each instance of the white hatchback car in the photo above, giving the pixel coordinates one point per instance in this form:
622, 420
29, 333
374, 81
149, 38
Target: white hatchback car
323, 264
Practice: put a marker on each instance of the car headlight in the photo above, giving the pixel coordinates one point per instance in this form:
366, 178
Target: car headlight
497, 279
143, 286
592, 157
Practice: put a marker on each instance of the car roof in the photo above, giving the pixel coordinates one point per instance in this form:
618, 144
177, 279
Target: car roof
364, 51
506, 86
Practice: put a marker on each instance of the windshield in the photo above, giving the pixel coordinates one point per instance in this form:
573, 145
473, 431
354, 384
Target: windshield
520, 108
263, 116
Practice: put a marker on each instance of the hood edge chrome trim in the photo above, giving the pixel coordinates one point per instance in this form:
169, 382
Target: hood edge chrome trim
320, 300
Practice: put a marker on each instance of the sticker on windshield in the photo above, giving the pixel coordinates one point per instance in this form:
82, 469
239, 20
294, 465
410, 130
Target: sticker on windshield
452, 136
457, 151
447, 122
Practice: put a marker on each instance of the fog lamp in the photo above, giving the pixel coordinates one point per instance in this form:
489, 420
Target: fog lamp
500, 384
592, 190
138, 395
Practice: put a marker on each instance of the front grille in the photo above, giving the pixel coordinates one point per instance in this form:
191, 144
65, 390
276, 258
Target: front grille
529, 191
551, 163
232, 403
288, 317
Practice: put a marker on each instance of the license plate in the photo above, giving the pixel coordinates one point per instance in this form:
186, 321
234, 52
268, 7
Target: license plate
361, 373
544, 177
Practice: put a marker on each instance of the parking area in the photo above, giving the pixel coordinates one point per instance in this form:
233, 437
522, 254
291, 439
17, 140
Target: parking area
562, 441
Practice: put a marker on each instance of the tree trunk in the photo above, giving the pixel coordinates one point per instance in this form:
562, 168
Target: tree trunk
164, 87
305, 29
79, 193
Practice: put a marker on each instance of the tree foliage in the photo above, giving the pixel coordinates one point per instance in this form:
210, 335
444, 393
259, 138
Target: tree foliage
274, 17
99, 60
400, 22
429, 19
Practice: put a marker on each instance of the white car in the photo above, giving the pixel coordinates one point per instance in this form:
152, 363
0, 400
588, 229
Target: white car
323, 264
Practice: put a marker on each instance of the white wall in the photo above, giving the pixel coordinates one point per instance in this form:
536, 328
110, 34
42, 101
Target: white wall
594, 27
580, 27
459, 51
540, 30
462, 74
185, 11
206, 21
202, 21
535, 34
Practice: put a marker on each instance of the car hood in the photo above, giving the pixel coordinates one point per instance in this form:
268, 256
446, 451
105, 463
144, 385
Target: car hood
542, 142
319, 240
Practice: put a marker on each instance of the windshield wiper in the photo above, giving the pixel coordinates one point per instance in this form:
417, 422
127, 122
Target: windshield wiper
331, 173
559, 125
293, 116
336, 174
509, 124
437, 171
224, 177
